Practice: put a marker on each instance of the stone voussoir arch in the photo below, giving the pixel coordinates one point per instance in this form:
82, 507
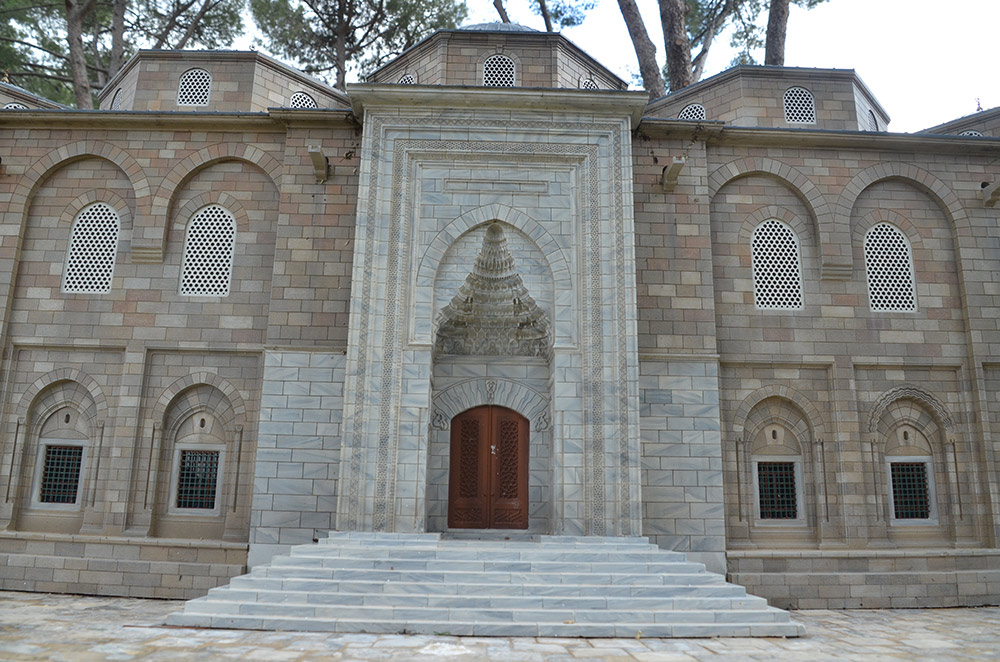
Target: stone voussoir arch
179, 386
794, 397
830, 231
150, 240
477, 391
225, 199
910, 392
31, 394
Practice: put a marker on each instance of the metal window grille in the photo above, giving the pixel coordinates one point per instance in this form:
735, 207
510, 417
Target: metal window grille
302, 100
194, 88
208, 253
776, 485
889, 266
872, 121
909, 490
116, 100
407, 79
692, 111
61, 474
800, 107
971, 132
15, 106
93, 245
777, 269
498, 71
589, 84
197, 479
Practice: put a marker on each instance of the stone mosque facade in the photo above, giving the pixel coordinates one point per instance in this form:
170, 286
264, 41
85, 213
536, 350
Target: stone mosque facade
241, 309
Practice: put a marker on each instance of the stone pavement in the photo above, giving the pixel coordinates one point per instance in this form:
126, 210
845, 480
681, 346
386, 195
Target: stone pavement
38, 627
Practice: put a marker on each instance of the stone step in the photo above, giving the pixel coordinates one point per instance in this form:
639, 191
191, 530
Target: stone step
495, 629
487, 565
579, 576
476, 601
467, 553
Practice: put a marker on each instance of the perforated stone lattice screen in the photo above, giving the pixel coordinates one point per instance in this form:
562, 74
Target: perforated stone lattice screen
777, 268
971, 132
93, 244
194, 88
872, 121
889, 266
692, 111
498, 71
208, 253
15, 106
302, 100
116, 101
800, 107
588, 84
407, 79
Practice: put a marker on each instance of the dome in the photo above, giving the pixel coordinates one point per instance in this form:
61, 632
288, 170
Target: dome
497, 26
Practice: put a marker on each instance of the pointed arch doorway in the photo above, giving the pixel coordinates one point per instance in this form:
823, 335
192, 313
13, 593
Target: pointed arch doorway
488, 476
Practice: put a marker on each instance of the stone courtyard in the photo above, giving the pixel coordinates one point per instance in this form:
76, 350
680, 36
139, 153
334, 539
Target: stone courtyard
36, 626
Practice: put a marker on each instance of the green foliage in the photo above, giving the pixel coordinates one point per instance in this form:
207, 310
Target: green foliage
565, 13
371, 31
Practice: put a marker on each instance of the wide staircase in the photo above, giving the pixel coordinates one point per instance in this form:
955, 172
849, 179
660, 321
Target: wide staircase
518, 586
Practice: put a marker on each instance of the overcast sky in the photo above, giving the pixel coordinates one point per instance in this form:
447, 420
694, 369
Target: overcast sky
926, 61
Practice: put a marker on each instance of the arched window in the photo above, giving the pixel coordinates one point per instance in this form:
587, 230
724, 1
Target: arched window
62, 447
407, 79
972, 132
872, 121
208, 253
588, 84
800, 108
498, 71
93, 245
910, 474
301, 100
777, 269
116, 100
692, 111
777, 477
194, 88
13, 105
889, 267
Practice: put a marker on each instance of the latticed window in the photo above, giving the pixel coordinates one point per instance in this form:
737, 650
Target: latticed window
116, 100
910, 496
498, 71
776, 490
302, 100
407, 79
15, 106
208, 253
60, 474
889, 265
971, 132
197, 478
692, 111
588, 84
777, 269
872, 121
93, 245
800, 107
194, 88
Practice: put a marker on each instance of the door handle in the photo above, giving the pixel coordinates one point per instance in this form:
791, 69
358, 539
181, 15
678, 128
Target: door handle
493, 449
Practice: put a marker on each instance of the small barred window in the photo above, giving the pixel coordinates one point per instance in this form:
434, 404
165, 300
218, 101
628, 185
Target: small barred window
407, 79
910, 498
971, 132
15, 106
800, 108
777, 269
872, 121
588, 84
116, 100
208, 253
889, 265
93, 246
692, 111
197, 478
194, 88
776, 485
60, 474
498, 71
302, 100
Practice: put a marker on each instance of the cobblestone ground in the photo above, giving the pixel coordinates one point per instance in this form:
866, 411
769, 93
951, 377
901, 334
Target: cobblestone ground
76, 629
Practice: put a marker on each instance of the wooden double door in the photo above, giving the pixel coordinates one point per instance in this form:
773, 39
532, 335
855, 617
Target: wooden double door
488, 480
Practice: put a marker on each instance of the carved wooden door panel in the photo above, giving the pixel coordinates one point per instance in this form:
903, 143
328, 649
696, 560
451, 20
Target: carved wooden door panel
488, 482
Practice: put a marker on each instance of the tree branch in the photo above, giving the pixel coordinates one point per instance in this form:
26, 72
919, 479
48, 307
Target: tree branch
500, 10
35, 46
